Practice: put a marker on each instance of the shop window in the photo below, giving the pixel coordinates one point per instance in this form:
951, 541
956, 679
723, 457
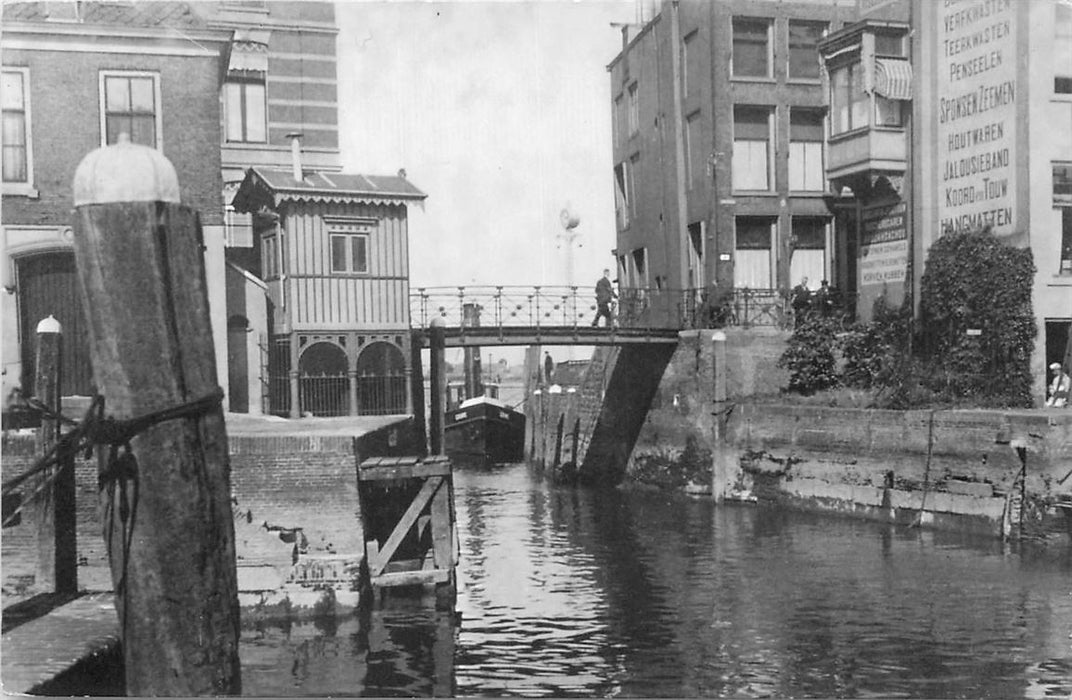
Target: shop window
751, 47
806, 171
753, 252
751, 148
1066, 240
803, 49
809, 250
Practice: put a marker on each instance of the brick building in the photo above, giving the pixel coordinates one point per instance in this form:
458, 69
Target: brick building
281, 79
719, 122
75, 75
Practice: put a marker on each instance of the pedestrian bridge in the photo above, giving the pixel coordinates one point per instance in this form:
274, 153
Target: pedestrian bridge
559, 315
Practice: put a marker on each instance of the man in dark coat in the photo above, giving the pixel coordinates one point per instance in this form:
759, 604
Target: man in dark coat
604, 295
548, 367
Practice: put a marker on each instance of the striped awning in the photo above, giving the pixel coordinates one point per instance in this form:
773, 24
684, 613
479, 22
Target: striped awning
248, 57
893, 78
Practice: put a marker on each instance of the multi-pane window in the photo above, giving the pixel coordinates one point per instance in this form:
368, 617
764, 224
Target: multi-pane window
634, 109
1066, 240
349, 253
1062, 49
621, 195
691, 74
617, 115
849, 104
751, 47
1062, 184
806, 150
244, 111
694, 160
809, 250
803, 49
1062, 199
16, 132
892, 45
752, 267
751, 147
130, 107
270, 255
630, 183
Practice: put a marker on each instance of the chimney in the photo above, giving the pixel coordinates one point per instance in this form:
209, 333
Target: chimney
295, 155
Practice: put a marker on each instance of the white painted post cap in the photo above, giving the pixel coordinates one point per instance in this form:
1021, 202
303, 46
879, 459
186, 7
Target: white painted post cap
718, 336
437, 322
49, 325
125, 172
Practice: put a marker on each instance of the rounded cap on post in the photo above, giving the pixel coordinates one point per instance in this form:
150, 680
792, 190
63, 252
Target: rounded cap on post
49, 325
125, 172
437, 322
718, 336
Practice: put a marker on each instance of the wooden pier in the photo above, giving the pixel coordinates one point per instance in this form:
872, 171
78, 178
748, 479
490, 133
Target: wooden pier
407, 509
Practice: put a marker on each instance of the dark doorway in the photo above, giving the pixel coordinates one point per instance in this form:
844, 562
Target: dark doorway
48, 285
1058, 344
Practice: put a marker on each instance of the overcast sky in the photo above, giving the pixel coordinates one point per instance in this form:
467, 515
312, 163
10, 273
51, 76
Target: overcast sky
500, 112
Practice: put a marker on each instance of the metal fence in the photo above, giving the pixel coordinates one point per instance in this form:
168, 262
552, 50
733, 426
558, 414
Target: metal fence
571, 307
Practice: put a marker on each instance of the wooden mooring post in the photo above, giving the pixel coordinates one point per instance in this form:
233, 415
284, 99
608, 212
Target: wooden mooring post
165, 484
54, 505
437, 342
407, 512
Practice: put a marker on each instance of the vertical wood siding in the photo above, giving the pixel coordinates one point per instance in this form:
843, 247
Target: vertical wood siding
321, 299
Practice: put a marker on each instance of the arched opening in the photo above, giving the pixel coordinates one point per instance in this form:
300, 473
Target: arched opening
322, 383
381, 380
48, 285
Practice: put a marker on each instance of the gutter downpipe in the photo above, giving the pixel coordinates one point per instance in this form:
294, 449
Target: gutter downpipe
679, 147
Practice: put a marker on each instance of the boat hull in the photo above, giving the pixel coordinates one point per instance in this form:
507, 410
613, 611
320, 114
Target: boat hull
485, 433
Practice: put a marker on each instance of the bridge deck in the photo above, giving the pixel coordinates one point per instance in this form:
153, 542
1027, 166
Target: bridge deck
554, 335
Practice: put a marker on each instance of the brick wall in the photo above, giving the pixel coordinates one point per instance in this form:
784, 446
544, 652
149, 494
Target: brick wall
285, 481
65, 121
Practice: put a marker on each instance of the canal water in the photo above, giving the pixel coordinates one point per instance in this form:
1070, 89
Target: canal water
591, 594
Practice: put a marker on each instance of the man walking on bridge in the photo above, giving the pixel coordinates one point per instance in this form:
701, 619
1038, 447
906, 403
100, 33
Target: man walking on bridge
604, 295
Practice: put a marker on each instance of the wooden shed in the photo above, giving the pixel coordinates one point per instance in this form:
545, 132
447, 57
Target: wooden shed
333, 250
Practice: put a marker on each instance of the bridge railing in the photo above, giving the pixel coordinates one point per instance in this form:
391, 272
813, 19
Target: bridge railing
575, 307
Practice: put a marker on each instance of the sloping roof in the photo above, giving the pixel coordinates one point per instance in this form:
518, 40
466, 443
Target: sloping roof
325, 187
129, 14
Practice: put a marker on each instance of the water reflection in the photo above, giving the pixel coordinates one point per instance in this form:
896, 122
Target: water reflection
580, 593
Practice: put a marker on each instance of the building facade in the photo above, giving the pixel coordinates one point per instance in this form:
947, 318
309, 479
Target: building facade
993, 143
719, 125
75, 76
281, 79
334, 251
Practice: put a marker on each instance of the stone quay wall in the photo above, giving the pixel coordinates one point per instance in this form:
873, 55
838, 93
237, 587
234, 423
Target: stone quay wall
1002, 473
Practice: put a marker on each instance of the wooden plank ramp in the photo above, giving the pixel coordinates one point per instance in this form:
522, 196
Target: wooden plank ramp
38, 651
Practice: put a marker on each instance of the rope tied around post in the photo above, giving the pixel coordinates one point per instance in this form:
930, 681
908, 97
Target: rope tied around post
96, 429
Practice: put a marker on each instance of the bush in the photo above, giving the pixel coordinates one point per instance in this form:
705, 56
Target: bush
973, 281
875, 353
810, 355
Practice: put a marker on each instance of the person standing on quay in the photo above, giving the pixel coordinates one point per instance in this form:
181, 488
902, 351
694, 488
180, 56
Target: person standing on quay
548, 367
604, 295
1059, 388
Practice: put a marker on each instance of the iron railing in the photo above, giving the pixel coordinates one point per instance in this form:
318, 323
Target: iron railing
575, 307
